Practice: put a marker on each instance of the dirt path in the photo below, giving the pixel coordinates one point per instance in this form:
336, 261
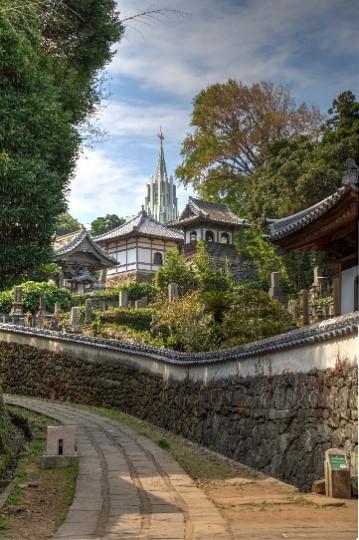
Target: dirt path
128, 487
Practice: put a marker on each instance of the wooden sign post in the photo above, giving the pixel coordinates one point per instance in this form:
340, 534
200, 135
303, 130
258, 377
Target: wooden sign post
337, 474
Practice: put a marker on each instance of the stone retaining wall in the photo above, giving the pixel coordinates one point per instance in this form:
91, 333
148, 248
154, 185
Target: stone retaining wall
281, 424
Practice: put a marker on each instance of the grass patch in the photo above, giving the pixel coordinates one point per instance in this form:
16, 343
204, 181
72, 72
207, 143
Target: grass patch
14, 496
199, 464
3, 523
162, 443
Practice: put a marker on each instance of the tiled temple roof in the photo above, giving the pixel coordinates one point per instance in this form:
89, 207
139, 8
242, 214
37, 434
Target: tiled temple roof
210, 212
279, 228
69, 243
315, 333
144, 225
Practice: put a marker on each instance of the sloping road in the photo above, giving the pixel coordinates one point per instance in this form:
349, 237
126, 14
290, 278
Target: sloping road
128, 488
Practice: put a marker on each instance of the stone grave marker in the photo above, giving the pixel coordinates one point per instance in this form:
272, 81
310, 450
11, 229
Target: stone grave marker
75, 319
275, 291
60, 446
123, 299
337, 474
88, 311
141, 303
16, 312
172, 292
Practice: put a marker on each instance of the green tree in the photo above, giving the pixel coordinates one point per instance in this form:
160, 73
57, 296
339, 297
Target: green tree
232, 125
50, 57
101, 225
298, 172
66, 224
175, 270
209, 278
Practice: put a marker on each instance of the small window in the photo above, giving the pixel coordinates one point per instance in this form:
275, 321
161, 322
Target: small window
224, 238
209, 236
356, 293
193, 237
61, 447
157, 259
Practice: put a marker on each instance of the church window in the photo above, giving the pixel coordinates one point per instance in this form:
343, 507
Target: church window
224, 238
209, 236
157, 259
193, 237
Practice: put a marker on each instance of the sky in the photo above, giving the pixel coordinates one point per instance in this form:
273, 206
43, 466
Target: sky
163, 62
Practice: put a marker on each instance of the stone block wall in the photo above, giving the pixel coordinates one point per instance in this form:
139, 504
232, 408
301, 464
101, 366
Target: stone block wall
280, 424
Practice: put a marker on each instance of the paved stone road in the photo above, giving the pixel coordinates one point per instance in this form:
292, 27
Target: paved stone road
128, 488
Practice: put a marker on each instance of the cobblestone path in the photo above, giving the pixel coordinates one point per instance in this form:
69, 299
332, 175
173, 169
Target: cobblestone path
128, 488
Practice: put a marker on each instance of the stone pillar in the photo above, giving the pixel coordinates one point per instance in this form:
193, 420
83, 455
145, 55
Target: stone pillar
316, 276
75, 319
336, 296
88, 311
123, 299
172, 292
305, 307
275, 291
57, 309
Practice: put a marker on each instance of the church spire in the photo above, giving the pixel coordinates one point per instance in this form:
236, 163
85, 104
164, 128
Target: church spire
161, 200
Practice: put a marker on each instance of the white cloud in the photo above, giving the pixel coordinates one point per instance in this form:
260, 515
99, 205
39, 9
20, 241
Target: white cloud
142, 119
249, 40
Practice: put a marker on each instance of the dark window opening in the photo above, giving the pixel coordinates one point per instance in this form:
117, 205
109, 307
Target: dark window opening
209, 236
61, 447
157, 259
193, 237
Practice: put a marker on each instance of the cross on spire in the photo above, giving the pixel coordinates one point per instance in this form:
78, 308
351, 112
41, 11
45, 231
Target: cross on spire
161, 136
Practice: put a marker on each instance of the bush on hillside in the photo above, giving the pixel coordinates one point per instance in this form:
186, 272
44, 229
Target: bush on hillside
253, 315
31, 293
137, 319
175, 270
135, 292
185, 325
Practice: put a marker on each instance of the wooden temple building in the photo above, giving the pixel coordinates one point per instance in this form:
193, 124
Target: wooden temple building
330, 226
139, 248
80, 258
216, 225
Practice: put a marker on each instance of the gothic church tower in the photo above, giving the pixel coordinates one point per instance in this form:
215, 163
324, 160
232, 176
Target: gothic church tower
161, 200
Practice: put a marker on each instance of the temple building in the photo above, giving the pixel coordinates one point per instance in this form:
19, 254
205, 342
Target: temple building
330, 226
139, 247
216, 225
161, 200
80, 258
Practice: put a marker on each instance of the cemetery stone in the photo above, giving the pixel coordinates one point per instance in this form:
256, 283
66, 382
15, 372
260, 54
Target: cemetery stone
60, 446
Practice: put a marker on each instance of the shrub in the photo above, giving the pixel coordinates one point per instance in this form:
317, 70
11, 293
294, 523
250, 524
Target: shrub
253, 315
209, 278
135, 292
137, 319
185, 325
31, 293
217, 303
175, 270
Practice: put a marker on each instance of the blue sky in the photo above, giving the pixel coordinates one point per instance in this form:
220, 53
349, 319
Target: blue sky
161, 64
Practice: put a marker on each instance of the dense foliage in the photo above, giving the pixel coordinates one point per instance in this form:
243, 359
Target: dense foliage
253, 315
232, 125
31, 293
104, 224
137, 319
50, 57
175, 270
185, 325
66, 224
